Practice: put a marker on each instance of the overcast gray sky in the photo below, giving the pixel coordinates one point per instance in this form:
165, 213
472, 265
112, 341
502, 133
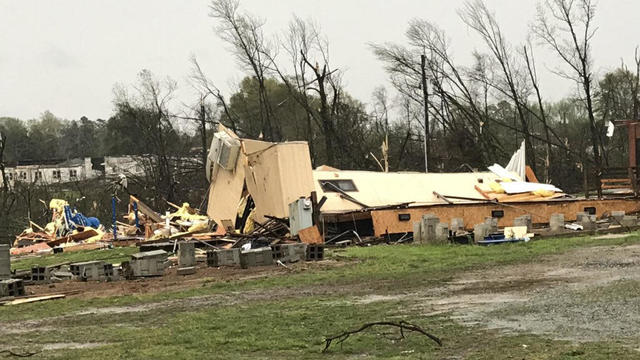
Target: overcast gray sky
66, 55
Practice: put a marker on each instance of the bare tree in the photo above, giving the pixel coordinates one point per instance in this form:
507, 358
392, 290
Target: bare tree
566, 26
244, 34
5, 182
512, 80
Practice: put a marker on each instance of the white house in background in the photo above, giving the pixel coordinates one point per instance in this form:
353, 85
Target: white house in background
73, 170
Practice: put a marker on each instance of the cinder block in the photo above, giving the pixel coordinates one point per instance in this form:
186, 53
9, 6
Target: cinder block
457, 224
11, 287
480, 231
294, 252
629, 221
186, 254
428, 232
524, 220
556, 222
224, 257
256, 257
587, 221
492, 223
149, 263
417, 232
618, 215
580, 216
186, 270
5, 262
442, 233
40, 274
315, 252
88, 270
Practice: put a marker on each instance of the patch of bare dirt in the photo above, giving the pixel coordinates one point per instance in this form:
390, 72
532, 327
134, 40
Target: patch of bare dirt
171, 281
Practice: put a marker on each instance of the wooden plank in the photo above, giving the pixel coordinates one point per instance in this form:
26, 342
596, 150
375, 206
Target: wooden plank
310, 235
145, 209
35, 299
387, 220
530, 175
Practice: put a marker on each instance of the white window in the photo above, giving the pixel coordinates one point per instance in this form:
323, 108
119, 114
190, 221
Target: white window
73, 173
56, 174
10, 176
38, 175
23, 175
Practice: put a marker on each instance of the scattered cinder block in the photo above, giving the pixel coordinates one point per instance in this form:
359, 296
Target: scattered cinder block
5, 262
149, 263
294, 252
88, 270
618, 215
556, 222
11, 287
186, 270
580, 216
40, 274
256, 257
186, 254
224, 257
587, 221
315, 252
629, 221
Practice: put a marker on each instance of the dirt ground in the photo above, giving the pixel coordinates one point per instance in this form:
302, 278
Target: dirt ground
171, 281
588, 294
584, 294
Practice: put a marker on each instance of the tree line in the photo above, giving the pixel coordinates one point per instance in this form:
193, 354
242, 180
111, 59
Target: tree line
464, 116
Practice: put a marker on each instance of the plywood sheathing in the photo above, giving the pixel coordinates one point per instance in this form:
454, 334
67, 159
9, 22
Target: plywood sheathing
387, 220
225, 190
277, 175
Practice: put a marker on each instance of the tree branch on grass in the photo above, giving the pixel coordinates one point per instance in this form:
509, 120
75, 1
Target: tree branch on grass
402, 325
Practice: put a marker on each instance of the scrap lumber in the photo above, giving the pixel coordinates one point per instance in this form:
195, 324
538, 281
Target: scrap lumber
35, 299
310, 235
145, 209
530, 175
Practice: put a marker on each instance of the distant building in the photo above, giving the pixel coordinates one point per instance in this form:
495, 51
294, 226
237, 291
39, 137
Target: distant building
52, 172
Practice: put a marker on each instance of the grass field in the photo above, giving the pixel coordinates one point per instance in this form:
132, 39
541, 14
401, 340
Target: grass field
288, 315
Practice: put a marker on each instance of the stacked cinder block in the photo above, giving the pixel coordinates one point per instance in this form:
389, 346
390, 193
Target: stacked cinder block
294, 252
277, 251
429, 223
480, 231
186, 258
256, 257
88, 270
11, 287
315, 252
492, 224
5, 262
149, 263
40, 274
556, 222
524, 220
457, 224
442, 233
225, 257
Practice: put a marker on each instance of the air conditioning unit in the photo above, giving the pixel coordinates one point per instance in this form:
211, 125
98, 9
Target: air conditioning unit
224, 151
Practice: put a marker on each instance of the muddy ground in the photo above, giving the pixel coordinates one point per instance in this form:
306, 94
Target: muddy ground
585, 294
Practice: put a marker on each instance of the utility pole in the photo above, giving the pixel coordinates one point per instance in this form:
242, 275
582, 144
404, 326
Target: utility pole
425, 95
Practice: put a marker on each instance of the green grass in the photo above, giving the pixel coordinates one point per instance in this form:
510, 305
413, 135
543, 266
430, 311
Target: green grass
293, 326
115, 255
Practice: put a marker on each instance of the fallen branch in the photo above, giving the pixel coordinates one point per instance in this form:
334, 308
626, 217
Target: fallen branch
11, 353
402, 325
